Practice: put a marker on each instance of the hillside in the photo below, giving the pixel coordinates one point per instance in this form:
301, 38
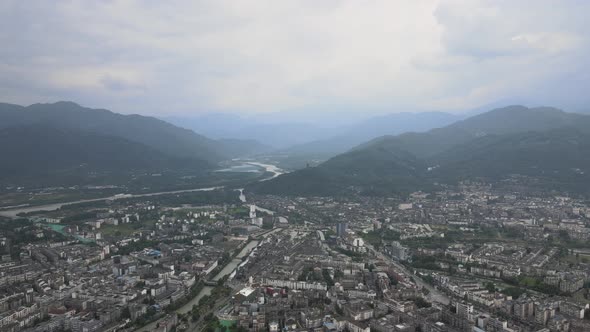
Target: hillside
149, 131
389, 171
46, 155
544, 143
66, 144
501, 121
390, 124
559, 158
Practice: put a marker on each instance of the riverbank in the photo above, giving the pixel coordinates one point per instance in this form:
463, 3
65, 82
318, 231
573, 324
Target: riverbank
12, 212
226, 271
268, 168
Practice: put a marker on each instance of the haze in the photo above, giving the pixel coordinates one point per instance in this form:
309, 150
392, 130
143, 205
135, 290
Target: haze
303, 57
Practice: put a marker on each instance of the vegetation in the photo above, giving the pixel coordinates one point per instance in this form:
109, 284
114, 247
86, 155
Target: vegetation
515, 292
422, 303
533, 284
53, 156
377, 237
22, 231
545, 144
327, 278
430, 262
65, 144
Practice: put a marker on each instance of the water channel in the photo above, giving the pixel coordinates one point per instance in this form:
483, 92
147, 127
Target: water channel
13, 212
227, 270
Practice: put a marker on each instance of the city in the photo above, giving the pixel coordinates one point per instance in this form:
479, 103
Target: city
462, 259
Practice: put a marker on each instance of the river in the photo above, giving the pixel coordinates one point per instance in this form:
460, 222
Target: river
13, 213
228, 269
269, 168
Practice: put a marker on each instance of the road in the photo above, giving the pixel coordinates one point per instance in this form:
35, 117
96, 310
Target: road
434, 295
13, 213
185, 309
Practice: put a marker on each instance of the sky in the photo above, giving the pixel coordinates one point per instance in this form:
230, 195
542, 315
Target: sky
305, 57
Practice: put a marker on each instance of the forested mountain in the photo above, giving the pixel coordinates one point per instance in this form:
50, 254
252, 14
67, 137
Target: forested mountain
390, 124
544, 143
64, 138
47, 155
141, 129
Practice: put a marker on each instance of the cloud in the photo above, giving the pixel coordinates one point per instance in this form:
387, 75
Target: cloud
263, 56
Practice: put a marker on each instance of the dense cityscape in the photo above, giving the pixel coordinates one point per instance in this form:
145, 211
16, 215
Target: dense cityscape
469, 258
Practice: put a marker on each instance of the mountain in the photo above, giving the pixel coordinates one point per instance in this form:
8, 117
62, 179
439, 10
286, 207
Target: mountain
149, 131
390, 124
385, 168
309, 139
559, 157
43, 154
152, 132
533, 142
278, 135
501, 121
63, 141
242, 147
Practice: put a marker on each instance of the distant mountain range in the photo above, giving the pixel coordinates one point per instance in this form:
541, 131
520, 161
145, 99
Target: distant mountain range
49, 144
546, 144
158, 145
60, 138
278, 135
304, 142
390, 124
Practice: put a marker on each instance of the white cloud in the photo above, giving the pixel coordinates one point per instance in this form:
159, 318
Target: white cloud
266, 55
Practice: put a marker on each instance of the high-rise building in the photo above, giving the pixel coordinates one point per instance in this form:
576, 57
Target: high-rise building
341, 229
398, 251
464, 310
252, 211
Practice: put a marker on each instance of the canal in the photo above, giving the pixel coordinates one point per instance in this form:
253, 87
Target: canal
227, 270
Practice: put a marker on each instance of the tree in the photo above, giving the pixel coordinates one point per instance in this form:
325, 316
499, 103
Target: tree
515, 292
328, 278
422, 303
150, 311
490, 287
195, 316
126, 313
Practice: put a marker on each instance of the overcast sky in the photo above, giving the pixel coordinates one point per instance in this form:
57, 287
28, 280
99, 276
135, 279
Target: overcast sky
182, 57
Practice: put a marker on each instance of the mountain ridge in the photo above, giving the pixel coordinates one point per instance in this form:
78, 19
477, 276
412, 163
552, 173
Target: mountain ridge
385, 159
151, 131
43, 153
115, 144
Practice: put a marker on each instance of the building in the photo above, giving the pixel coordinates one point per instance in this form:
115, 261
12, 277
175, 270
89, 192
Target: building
464, 310
398, 251
341, 229
572, 309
